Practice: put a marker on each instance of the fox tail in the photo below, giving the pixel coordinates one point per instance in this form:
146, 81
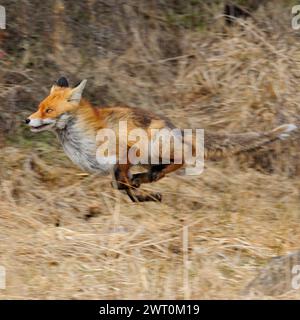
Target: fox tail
222, 145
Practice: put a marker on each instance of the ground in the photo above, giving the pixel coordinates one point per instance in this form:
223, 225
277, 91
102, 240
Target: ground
67, 235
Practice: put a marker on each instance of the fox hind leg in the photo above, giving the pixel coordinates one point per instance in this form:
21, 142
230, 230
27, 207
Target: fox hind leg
121, 181
155, 173
148, 176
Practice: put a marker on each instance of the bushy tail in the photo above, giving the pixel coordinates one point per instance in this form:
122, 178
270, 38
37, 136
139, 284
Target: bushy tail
222, 145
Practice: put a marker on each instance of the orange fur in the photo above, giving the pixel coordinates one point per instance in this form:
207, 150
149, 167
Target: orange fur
93, 119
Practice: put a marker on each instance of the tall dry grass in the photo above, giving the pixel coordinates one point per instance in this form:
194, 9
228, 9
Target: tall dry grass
68, 235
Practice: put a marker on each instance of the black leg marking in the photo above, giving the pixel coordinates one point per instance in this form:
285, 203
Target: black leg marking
149, 176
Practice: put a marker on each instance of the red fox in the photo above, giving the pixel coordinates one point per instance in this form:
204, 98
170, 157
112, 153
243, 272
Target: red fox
76, 123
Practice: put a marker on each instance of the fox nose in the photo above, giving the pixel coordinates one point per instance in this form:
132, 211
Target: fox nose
27, 121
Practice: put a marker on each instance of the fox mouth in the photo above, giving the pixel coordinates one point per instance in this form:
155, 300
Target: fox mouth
42, 127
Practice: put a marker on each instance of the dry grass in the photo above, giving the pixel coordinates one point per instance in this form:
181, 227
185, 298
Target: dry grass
63, 237
63, 234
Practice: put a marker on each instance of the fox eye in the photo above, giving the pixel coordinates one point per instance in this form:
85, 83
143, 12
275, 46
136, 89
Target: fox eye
49, 110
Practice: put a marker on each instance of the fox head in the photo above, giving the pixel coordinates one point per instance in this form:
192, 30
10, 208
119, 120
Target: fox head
54, 109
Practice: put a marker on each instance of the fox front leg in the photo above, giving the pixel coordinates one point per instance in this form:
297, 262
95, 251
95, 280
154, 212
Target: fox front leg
121, 177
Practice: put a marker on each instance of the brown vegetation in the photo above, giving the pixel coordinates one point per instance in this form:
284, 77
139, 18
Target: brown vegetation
61, 235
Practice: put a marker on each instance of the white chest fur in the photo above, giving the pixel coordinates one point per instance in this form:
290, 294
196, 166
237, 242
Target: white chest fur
80, 147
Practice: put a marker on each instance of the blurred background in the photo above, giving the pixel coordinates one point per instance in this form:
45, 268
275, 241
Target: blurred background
230, 66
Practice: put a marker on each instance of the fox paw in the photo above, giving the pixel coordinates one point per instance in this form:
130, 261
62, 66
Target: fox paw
139, 178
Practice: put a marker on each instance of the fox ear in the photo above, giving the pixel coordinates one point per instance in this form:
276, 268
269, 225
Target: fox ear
76, 93
62, 82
